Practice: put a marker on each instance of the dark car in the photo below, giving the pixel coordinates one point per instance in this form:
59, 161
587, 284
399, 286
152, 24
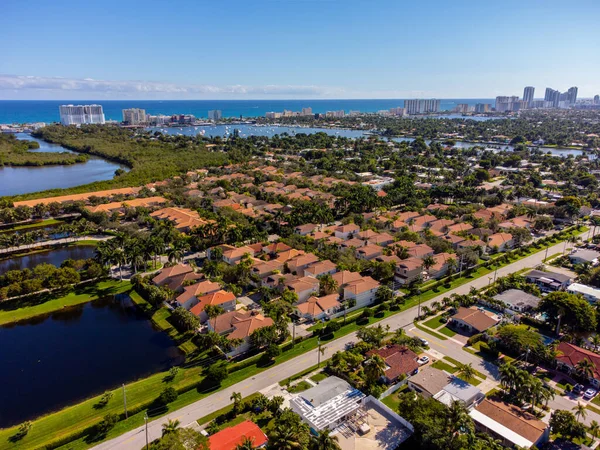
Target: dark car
578, 389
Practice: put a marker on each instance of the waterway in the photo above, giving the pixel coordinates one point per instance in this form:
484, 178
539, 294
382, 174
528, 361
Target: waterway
54, 257
52, 361
22, 180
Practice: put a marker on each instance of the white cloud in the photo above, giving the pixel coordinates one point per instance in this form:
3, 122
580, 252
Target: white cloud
67, 87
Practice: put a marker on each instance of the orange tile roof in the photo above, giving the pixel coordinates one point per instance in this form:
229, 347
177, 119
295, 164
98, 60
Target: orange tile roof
345, 277
315, 306
242, 323
182, 217
514, 418
172, 271
136, 202
214, 298
230, 438
362, 285
79, 197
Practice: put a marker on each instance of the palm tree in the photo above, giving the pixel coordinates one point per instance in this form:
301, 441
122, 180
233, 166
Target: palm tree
594, 428
246, 444
325, 441
170, 427
595, 340
213, 311
585, 368
452, 265
286, 439
458, 419
466, 371
236, 398
580, 411
428, 262
374, 368
328, 284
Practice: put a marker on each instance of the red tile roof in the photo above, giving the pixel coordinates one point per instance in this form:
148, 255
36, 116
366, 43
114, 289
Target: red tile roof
571, 355
230, 438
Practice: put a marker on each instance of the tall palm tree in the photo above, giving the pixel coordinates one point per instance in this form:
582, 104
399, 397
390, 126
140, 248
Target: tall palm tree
585, 368
374, 368
286, 439
580, 411
325, 441
594, 429
246, 444
170, 427
466, 371
428, 262
328, 284
458, 419
213, 311
595, 340
236, 398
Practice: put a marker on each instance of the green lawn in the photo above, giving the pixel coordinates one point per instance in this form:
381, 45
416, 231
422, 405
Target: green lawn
431, 332
40, 224
47, 303
444, 366
300, 387
435, 322
392, 401
473, 380
319, 377
210, 417
447, 332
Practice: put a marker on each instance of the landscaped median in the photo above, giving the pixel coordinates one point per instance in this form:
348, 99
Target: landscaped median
22, 309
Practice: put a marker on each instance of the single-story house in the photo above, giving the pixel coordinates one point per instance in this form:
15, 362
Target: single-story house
429, 381
459, 390
305, 229
518, 301
316, 308
472, 320
548, 281
400, 361
231, 437
583, 256
174, 276
510, 424
570, 355
590, 293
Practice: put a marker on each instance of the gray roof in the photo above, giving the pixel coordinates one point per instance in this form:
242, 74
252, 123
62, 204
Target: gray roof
586, 255
462, 390
430, 379
326, 390
516, 297
561, 278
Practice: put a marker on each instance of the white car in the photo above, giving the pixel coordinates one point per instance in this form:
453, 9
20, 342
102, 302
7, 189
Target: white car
424, 342
423, 360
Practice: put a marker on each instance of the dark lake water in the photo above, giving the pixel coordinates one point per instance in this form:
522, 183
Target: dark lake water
56, 257
21, 180
52, 361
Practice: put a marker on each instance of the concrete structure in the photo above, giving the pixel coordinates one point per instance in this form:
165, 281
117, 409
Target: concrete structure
215, 114
81, 114
591, 294
510, 424
420, 106
528, 93
134, 116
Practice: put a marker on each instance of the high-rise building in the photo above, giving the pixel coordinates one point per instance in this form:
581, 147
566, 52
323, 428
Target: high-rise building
596, 99
81, 114
483, 107
572, 95
528, 93
553, 97
215, 114
419, 106
505, 103
134, 116
307, 111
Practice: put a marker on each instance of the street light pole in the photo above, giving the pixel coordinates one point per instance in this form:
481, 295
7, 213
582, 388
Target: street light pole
146, 421
419, 297
293, 333
319, 353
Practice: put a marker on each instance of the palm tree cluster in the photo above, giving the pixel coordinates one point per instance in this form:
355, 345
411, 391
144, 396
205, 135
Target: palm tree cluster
524, 387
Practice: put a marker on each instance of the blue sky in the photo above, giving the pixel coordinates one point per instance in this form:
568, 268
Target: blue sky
296, 49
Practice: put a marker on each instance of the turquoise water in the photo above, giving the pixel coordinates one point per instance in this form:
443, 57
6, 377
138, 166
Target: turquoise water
27, 111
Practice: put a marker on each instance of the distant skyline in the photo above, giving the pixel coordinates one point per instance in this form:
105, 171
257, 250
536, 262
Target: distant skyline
296, 49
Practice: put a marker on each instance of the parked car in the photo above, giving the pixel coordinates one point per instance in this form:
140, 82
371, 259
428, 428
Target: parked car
589, 394
578, 389
424, 342
423, 360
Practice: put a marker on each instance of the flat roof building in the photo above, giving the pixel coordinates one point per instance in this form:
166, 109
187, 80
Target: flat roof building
81, 114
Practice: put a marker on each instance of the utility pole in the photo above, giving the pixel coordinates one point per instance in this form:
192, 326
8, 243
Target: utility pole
546, 255
419, 296
293, 333
319, 353
146, 421
495, 273
125, 400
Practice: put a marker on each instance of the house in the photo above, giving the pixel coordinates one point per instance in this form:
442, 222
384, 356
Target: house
276, 248
305, 229
420, 251
346, 231
239, 325
500, 241
408, 270
320, 268
441, 266
263, 269
472, 320
316, 308
454, 240
383, 239
327, 404
369, 251
548, 281
304, 287
353, 243
362, 291
570, 355
510, 424
189, 297
591, 294
224, 299
459, 390
429, 381
366, 235
184, 219
583, 256
299, 263
233, 255
174, 277
518, 301
229, 438
400, 362
344, 277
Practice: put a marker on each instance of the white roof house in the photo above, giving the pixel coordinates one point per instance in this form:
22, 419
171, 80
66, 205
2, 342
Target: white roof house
591, 294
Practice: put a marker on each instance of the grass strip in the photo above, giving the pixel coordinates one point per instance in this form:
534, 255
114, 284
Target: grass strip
431, 332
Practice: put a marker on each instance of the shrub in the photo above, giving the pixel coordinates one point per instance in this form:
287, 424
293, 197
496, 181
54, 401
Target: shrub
475, 338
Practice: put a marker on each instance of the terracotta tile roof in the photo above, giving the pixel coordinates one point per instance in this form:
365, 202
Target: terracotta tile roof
349, 228
175, 282
459, 227
302, 261
136, 202
230, 438
571, 355
320, 267
400, 360
243, 323
498, 239
169, 272
513, 418
303, 284
420, 250
370, 251
214, 298
315, 306
198, 289
276, 247
345, 277
475, 318
79, 197
182, 217
411, 263
364, 284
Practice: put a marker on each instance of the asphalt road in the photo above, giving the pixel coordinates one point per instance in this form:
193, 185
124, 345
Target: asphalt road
136, 439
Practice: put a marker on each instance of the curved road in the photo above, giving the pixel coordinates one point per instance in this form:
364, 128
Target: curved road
136, 439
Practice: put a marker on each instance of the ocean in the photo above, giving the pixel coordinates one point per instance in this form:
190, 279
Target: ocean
29, 111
